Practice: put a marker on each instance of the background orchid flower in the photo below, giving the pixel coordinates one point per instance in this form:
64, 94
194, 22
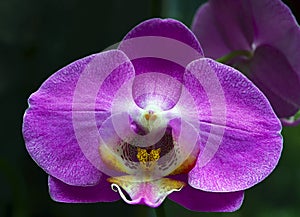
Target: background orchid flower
152, 119
261, 38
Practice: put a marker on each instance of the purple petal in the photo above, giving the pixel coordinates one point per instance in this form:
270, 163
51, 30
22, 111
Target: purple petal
222, 28
269, 30
168, 28
241, 134
291, 122
243, 25
201, 201
271, 78
65, 113
51, 142
161, 45
62, 192
277, 27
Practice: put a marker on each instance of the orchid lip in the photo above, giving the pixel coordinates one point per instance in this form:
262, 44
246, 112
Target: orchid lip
143, 158
151, 194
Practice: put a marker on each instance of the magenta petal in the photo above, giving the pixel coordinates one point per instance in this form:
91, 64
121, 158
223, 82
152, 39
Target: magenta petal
67, 106
201, 201
243, 141
62, 192
57, 92
51, 142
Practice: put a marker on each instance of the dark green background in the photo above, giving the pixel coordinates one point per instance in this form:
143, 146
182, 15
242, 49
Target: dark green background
38, 37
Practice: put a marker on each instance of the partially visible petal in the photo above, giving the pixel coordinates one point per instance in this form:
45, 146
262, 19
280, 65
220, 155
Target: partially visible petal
161, 45
201, 201
291, 123
235, 24
243, 142
222, 28
276, 26
272, 73
150, 193
61, 125
62, 192
269, 30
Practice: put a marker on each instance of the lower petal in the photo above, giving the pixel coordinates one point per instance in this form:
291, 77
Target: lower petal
62, 192
201, 201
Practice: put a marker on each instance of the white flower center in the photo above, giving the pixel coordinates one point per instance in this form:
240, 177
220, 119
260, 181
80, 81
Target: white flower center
153, 118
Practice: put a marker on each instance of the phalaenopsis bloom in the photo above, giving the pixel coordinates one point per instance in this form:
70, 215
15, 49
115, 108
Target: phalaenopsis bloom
152, 119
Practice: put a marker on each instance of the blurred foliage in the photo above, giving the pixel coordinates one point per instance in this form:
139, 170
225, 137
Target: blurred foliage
37, 37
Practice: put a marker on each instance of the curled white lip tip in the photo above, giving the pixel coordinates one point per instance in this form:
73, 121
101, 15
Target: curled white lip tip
145, 198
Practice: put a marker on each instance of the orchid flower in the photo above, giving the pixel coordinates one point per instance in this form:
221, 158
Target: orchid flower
149, 120
261, 38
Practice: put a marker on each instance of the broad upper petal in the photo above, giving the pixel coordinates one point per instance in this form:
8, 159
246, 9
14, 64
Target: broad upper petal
167, 28
161, 45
